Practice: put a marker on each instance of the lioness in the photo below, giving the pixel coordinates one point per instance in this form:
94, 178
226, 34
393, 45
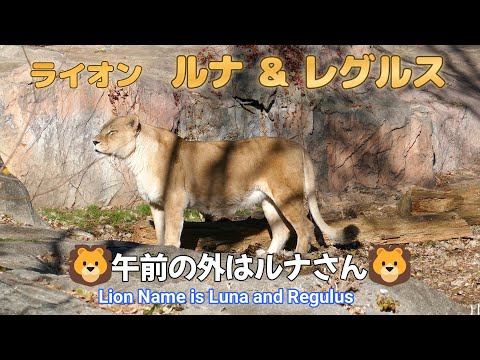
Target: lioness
218, 178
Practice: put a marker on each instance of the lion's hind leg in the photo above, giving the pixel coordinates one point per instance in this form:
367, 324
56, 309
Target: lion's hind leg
280, 231
293, 210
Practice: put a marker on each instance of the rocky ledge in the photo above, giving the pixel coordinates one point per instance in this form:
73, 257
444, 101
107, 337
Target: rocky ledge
34, 280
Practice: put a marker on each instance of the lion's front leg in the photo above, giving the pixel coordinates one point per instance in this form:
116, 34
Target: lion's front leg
174, 209
158, 216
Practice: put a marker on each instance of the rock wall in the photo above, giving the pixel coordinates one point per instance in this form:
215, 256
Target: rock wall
376, 137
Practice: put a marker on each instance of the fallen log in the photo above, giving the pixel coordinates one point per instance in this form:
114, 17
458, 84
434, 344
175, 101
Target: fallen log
468, 206
420, 201
390, 228
396, 229
462, 198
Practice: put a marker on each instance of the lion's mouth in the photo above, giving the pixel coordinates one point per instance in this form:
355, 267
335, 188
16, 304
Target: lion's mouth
103, 153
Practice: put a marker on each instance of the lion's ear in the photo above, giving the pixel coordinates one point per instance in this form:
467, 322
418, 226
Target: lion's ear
398, 250
99, 250
380, 250
81, 250
133, 121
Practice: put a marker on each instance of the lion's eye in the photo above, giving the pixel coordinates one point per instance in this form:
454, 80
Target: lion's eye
395, 263
84, 263
96, 263
110, 133
383, 263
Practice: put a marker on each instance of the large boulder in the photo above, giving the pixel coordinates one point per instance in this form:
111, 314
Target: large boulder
40, 285
15, 201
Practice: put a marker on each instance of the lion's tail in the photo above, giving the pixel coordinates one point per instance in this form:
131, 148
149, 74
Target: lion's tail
339, 236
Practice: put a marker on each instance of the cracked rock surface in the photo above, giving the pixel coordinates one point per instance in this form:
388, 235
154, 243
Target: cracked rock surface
33, 281
376, 137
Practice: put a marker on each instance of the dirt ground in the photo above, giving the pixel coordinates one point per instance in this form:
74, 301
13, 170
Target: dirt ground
452, 266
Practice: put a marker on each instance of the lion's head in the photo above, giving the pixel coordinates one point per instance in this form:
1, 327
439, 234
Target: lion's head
389, 264
90, 265
118, 136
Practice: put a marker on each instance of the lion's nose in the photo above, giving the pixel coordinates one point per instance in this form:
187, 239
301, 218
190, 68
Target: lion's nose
90, 268
389, 268
95, 142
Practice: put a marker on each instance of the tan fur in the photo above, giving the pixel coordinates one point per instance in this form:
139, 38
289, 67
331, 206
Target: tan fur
217, 177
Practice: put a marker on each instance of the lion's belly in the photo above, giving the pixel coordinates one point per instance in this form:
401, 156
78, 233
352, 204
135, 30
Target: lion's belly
251, 199
226, 207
